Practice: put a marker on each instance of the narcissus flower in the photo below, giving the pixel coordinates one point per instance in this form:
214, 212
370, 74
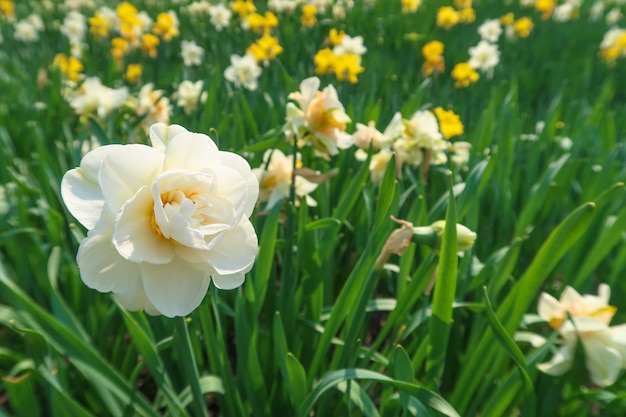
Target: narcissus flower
164, 221
309, 12
522, 27
464, 75
166, 26
319, 118
410, 6
586, 319
133, 73
275, 179
447, 17
449, 123
243, 71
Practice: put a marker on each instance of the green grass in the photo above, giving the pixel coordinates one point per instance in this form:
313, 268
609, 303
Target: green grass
315, 328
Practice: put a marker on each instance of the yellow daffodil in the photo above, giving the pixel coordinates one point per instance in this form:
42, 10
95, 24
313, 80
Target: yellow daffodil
98, 26
166, 26
149, 44
324, 61
464, 75
467, 15
348, 67
335, 37
447, 17
449, 123
410, 6
7, 9
546, 7
462, 4
71, 67
133, 73
309, 12
266, 48
507, 19
432, 50
262, 23
523, 26
243, 8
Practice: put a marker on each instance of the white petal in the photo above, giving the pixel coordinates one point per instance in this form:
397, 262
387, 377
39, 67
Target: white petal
236, 251
242, 166
560, 362
232, 187
603, 362
101, 266
133, 235
190, 151
176, 288
82, 197
228, 282
549, 307
135, 301
80, 189
161, 134
125, 171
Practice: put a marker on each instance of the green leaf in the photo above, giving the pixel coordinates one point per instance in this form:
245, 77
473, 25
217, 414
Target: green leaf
21, 394
443, 297
513, 351
297, 380
332, 378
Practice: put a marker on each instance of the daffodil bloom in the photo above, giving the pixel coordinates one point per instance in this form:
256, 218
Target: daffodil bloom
604, 347
133, 73
149, 43
164, 220
69, 66
324, 61
7, 9
275, 179
467, 16
243, 71
265, 49
432, 50
348, 67
262, 23
433, 54
546, 7
410, 6
571, 303
318, 119
334, 37
308, 19
367, 136
523, 27
99, 26
243, 8
93, 97
166, 26
447, 17
189, 95
464, 75
449, 123
507, 19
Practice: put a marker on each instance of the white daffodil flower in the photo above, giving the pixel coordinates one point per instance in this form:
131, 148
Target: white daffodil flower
164, 221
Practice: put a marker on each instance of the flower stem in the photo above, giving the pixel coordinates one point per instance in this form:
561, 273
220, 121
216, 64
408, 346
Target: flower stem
188, 363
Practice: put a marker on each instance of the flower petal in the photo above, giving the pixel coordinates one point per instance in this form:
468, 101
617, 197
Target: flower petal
80, 190
161, 134
560, 362
236, 251
101, 266
176, 288
125, 171
190, 151
242, 166
549, 307
133, 234
82, 197
135, 301
228, 282
603, 362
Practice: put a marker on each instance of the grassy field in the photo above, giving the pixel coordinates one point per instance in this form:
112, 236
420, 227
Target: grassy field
345, 312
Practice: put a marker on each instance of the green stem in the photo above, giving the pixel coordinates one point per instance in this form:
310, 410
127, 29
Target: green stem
188, 363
